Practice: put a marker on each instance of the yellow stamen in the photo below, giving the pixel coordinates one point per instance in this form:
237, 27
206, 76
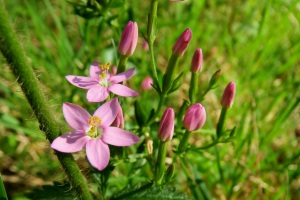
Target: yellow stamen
94, 122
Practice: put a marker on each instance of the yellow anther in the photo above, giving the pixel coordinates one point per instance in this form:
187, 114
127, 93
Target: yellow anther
94, 121
105, 66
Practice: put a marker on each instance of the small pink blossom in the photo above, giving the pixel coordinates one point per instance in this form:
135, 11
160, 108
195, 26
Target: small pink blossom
228, 95
94, 133
182, 42
145, 45
195, 117
129, 39
166, 126
147, 83
100, 83
197, 61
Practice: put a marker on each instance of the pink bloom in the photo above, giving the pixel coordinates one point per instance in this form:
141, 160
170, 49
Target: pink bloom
166, 127
195, 117
93, 133
100, 83
228, 95
114, 70
145, 45
119, 121
147, 83
182, 42
197, 61
129, 39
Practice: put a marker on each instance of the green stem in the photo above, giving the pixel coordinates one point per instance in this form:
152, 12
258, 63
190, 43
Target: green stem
160, 164
168, 77
151, 31
221, 122
160, 104
15, 56
193, 87
122, 64
184, 142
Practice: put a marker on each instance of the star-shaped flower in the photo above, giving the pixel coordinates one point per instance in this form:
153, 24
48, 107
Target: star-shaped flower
100, 83
93, 133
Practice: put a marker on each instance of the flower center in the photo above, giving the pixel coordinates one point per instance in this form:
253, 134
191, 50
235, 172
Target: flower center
94, 130
104, 72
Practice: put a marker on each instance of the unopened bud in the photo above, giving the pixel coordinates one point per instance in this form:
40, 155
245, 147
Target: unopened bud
197, 61
119, 121
195, 117
166, 127
147, 83
228, 95
129, 39
182, 42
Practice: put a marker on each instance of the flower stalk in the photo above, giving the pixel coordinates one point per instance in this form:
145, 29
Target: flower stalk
160, 165
16, 58
221, 122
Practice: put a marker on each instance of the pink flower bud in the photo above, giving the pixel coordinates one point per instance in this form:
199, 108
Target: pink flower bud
182, 42
195, 117
166, 126
119, 121
114, 70
197, 60
129, 39
147, 83
145, 45
228, 95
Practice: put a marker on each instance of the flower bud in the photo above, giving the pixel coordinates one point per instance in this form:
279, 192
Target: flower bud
228, 95
197, 60
182, 42
114, 70
166, 127
145, 45
147, 83
119, 121
195, 117
214, 78
129, 39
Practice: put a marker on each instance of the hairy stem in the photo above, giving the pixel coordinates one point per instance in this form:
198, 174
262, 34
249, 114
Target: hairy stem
15, 56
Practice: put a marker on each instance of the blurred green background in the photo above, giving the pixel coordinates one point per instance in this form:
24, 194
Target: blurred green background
256, 44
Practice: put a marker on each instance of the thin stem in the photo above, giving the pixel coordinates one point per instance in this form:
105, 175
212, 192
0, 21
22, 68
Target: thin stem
160, 104
221, 122
193, 87
160, 164
151, 31
15, 56
184, 142
122, 64
168, 77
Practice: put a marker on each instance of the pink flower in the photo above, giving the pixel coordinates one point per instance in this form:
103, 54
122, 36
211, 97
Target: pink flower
195, 117
129, 39
197, 61
119, 121
228, 95
166, 127
145, 45
93, 133
182, 42
147, 83
100, 83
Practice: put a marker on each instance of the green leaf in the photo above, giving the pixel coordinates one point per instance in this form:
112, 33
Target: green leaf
176, 84
2, 190
140, 114
149, 192
57, 191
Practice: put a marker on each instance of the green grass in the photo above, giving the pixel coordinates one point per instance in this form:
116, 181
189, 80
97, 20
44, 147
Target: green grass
254, 44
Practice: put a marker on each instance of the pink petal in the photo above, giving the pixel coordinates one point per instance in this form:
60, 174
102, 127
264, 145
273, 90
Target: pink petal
97, 94
122, 90
118, 137
122, 76
82, 81
108, 112
76, 117
70, 142
98, 153
95, 70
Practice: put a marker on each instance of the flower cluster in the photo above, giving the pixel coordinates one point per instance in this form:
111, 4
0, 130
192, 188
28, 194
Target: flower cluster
105, 127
